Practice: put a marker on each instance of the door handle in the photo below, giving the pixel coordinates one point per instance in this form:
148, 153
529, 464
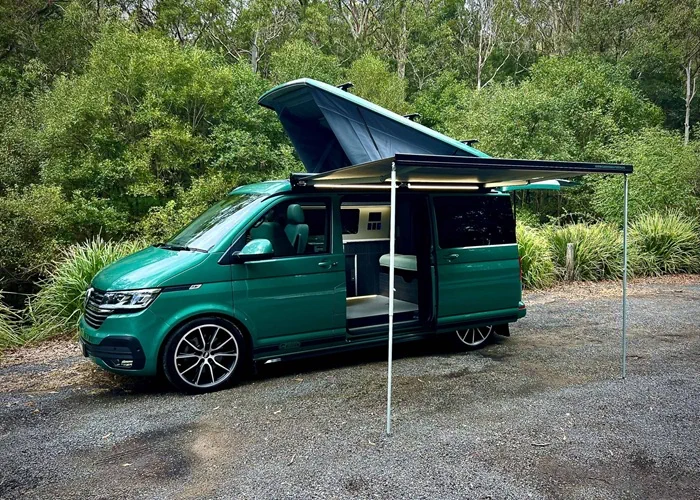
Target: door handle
327, 265
452, 257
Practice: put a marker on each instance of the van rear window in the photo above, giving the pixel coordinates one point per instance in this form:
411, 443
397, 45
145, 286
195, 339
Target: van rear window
469, 221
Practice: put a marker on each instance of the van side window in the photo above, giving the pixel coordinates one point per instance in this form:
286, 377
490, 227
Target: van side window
469, 221
298, 227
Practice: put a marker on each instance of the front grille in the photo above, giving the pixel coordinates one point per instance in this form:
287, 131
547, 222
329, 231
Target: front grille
94, 316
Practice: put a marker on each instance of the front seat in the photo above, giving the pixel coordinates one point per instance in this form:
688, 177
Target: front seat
272, 231
296, 230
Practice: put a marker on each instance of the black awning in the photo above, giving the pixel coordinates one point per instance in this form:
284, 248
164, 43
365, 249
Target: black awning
455, 170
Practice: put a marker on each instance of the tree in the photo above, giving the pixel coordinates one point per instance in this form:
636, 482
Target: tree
674, 27
297, 59
139, 124
569, 109
373, 81
666, 175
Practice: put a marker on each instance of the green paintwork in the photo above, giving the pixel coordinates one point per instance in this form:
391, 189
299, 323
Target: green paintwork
148, 268
267, 187
293, 305
258, 248
477, 279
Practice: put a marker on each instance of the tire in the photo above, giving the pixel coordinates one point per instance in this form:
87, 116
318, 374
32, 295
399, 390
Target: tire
204, 355
470, 339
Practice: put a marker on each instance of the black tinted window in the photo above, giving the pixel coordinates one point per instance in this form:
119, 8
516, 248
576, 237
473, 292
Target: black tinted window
350, 219
468, 221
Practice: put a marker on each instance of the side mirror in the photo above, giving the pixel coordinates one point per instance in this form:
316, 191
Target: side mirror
260, 249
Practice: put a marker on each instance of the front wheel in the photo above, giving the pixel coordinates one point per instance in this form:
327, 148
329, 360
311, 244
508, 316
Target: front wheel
204, 355
474, 338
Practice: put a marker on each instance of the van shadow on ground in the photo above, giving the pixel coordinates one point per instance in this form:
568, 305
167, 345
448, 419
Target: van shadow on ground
439, 346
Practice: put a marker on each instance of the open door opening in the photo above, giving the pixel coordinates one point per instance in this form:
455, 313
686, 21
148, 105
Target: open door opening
365, 220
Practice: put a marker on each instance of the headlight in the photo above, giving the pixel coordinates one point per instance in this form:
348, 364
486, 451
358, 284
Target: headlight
129, 299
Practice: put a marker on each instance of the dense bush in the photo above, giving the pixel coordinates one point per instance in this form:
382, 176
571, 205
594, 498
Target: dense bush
665, 244
57, 307
597, 250
666, 176
535, 257
568, 109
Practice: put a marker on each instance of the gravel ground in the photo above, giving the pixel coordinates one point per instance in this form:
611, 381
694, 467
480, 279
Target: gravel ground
542, 414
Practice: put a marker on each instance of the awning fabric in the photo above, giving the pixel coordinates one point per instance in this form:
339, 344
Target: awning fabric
331, 128
483, 173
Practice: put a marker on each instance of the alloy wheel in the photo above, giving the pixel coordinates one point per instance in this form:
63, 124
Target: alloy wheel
474, 337
206, 356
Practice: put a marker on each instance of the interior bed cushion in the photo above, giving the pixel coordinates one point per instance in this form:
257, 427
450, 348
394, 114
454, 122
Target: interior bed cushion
403, 262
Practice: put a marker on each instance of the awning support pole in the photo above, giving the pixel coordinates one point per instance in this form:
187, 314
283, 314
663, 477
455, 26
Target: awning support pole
392, 251
624, 284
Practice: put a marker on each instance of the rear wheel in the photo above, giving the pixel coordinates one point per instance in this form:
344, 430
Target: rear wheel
204, 355
474, 338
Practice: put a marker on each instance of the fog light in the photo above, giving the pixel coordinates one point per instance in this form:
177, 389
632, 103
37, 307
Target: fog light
123, 363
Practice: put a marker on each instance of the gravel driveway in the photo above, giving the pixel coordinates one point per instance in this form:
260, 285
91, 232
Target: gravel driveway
542, 414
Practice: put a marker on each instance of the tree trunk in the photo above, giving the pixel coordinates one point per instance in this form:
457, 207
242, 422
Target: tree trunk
689, 95
479, 63
403, 45
254, 52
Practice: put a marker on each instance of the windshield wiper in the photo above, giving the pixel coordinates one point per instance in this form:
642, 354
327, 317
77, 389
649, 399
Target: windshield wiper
179, 248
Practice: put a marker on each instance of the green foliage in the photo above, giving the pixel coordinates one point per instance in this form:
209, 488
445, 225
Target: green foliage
597, 250
299, 59
535, 257
373, 81
57, 307
9, 326
33, 226
20, 155
665, 243
162, 223
568, 109
666, 176
598, 101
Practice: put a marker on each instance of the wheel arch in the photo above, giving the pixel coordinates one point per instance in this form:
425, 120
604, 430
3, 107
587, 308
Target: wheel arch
211, 314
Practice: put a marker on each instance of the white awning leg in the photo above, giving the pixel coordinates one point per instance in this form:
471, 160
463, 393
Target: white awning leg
624, 283
392, 252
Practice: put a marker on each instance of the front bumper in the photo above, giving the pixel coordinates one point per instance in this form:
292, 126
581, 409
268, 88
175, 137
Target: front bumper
119, 352
125, 337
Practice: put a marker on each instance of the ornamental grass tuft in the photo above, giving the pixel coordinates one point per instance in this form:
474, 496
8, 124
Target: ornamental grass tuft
56, 308
665, 243
597, 250
535, 257
10, 326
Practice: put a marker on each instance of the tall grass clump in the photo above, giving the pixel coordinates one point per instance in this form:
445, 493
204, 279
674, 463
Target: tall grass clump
9, 326
535, 257
665, 243
56, 308
597, 250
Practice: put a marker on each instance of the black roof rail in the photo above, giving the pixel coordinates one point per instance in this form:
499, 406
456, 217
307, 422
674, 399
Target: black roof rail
412, 116
469, 142
345, 86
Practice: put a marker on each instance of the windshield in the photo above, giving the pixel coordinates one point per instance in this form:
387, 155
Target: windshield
216, 223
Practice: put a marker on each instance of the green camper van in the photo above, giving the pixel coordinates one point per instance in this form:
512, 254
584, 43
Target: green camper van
303, 266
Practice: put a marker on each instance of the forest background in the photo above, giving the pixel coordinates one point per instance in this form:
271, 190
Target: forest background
121, 120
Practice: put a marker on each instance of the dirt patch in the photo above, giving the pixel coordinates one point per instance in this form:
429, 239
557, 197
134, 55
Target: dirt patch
585, 290
45, 353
